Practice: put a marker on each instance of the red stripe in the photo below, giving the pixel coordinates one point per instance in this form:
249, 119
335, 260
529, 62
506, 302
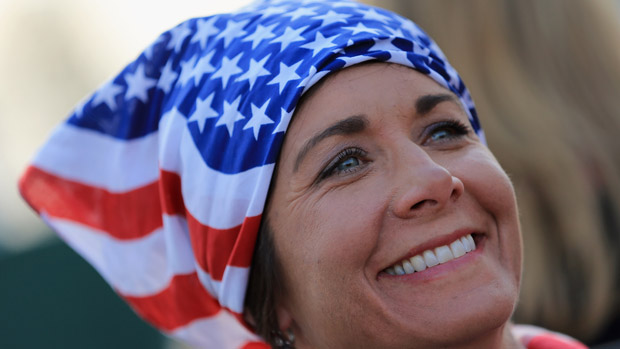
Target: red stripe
129, 215
216, 248
171, 193
183, 301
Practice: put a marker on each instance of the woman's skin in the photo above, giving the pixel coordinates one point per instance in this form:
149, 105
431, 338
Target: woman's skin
380, 163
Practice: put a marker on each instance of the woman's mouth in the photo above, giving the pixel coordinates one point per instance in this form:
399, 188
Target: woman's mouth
433, 257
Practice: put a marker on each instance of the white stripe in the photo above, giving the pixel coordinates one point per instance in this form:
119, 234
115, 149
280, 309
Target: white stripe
96, 159
219, 200
230, 292
219, 331
138, 267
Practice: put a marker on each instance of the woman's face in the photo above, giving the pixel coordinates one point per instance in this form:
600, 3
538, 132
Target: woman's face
380, 164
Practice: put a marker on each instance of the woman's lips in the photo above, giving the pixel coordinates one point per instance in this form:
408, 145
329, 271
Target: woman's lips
432, 257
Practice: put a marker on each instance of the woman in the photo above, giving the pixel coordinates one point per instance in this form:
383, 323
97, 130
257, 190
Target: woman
388, 222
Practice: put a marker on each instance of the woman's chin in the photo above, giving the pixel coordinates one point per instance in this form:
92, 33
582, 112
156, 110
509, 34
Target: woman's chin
441, 307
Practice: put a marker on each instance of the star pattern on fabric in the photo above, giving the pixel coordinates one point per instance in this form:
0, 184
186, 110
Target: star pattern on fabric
228, 69
187, 69
301, 12
179, 34
285, 119
206, 28
360, 28
320, 43
138, 84
148, 53
287, 73
383, 45
233, 30
259, 118
332, 17
290, 35
230, 115
203, 112
372, 14
107, 94
261, 33
203, 66
255, 71
167, 78
222, 69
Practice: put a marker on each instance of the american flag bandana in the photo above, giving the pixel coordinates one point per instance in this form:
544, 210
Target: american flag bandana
159, 179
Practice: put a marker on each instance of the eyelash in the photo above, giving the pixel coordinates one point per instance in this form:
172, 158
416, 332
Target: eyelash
332, 168
456, 128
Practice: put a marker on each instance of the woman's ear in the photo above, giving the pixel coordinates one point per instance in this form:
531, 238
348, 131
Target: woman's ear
285, 320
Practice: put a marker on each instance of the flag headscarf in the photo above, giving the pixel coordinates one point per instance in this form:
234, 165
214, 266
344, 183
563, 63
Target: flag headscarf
159, 178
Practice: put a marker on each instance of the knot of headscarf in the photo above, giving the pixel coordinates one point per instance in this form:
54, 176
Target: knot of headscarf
159, 179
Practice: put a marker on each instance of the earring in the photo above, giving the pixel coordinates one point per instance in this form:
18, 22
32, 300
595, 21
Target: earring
285, 341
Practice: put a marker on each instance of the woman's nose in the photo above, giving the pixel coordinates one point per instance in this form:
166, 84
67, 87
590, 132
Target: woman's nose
425, 188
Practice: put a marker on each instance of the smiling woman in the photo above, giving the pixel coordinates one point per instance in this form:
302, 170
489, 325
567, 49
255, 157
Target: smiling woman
421, 180
379, 220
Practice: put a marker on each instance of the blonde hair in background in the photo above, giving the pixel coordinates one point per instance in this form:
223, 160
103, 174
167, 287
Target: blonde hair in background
545, 76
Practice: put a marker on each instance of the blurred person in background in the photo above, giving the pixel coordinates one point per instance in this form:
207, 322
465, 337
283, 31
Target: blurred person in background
546, 77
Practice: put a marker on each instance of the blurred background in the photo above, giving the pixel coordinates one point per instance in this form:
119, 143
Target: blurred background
545, 76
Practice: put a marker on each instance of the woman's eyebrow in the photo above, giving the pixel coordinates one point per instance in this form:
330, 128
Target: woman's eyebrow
351, 125
426, 103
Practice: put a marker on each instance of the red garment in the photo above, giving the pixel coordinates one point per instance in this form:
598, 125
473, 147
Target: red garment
533, 337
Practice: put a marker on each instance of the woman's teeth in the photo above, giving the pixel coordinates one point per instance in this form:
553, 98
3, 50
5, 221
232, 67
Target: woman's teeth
431, 258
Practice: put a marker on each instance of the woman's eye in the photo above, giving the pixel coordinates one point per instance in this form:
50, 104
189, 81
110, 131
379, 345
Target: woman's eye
348, 164
347, 161
446, 130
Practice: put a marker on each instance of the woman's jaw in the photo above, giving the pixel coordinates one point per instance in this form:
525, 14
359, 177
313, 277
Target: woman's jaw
392, 184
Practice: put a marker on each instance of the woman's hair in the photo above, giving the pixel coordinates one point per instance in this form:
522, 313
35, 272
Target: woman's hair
545, 77
264, 286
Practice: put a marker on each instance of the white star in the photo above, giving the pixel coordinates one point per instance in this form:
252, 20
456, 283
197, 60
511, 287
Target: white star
287, 73
300, 12
179, 34
320, 42
373, 14
229, 68
167, 78
285, 119
290, 36
107, 94
205, 28
203, 66
203, 112
360, 28
256, 70
396, 32
187, 69
138, 85
230, 116
383, 45
259, 118
233, 30
261, 33
332, 17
